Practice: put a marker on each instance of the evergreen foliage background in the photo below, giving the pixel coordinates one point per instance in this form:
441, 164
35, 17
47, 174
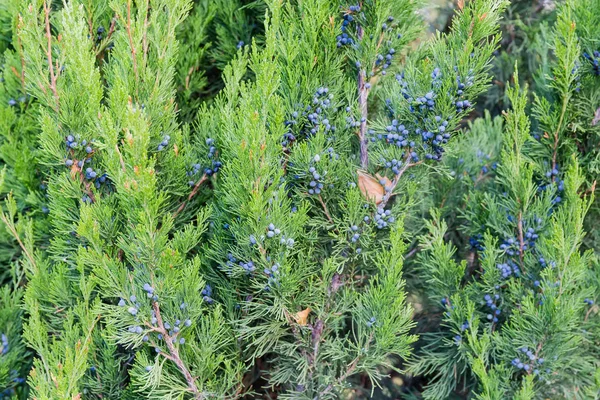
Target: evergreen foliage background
220, 199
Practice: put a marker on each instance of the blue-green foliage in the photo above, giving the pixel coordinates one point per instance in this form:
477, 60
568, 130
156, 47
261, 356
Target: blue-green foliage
298, 199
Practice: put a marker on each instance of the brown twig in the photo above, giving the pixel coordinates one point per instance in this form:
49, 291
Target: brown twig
587, 314
120, 158
346, 374
191, 195
49, 54
111, 30
325, 209
174, 354
363, 94
412, 252
128, 29
556, 132
396, 180
145, 34
319, 326
11, 227
20, 51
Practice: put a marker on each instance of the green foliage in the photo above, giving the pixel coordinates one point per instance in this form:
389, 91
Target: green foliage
296, 199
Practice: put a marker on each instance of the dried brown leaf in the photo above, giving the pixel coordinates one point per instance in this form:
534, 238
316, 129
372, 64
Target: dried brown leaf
301, 317
370, 186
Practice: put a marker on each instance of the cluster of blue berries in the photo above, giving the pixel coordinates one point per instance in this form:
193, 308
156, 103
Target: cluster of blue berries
461, 103
315, 185
289, 137
247, 266
530, 363
273, 276
100, 33
594, 59
544, 264
86, 199
383, 217
344, 39
355, 235
313, 177
393, 164
463, 327
133, 309
511, 246
353, 123
174, 329
274, 270
272, 231
426, 102
490, 301
240, 44
483, 159
508, 268
150, 291
231, 260
164, 143
530, 236
589, 302
215, 166
371, 322
430, 129
90, 174
10, 392
13, 102
207, 293
317, 115
321, 101
196, 168
475, 242
385, 61
553, 176
72, 144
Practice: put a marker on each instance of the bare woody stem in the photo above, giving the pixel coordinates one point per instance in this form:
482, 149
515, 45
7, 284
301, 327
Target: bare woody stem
325, 209
363, 95
556, 133
49, 54
191, 195
396, 180
174, 354
11, 227
128, 29
342, 378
